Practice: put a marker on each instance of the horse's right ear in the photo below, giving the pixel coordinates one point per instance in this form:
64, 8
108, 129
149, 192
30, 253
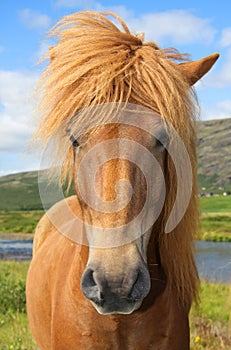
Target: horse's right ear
195, 70
51, 52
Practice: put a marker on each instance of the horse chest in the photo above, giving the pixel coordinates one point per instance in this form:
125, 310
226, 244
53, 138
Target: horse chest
90, 331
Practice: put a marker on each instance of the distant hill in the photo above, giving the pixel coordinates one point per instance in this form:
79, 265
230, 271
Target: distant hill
214, 155
20, 191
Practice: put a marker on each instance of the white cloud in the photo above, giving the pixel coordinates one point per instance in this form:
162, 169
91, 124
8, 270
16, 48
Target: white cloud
2, 48
219, 110
119, 10
221, 78
224, 76
34, 19
220, 75
17, 109
225, 108
226, 37
179, 26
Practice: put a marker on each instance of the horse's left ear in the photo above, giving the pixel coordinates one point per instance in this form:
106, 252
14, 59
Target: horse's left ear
195, 70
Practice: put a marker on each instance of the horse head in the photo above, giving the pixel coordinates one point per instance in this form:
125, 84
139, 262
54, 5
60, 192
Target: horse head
124, 168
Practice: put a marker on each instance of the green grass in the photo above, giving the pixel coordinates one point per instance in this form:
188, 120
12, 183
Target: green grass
214, 303
210, 319
13, 270
14, 329
19, 221
12, 286
218, 223
216, 227
216, 218
15, 333
220, 204
216, 237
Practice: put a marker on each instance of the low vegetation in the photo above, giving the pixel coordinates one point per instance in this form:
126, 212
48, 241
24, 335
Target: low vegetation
216, 204
19, 221
210, 318
216, 227
14, 330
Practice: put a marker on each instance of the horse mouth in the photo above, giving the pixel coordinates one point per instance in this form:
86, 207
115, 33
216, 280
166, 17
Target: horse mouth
115, 305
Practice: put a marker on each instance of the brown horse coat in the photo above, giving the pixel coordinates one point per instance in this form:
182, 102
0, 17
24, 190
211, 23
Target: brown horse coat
61, 318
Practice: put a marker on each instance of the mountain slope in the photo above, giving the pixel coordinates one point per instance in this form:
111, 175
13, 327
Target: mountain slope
214, 154
20, 191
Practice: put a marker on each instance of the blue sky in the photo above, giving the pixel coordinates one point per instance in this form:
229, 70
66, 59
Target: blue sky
196, 27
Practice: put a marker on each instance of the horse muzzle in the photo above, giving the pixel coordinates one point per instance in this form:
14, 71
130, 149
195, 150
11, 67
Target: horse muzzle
116, 295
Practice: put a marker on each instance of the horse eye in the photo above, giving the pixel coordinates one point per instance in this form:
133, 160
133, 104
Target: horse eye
162, 139
159, 143
75, 143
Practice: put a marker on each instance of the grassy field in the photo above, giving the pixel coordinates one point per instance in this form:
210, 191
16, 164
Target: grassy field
19, 221
216, 204
215, 219
209, 319
14, 330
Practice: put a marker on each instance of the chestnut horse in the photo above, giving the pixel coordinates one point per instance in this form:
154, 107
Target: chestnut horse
95, 281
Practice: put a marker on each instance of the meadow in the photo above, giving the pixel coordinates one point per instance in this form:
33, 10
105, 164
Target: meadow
216, 218
23, 221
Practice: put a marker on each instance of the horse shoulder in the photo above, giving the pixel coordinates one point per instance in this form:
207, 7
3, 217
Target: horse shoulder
51, 220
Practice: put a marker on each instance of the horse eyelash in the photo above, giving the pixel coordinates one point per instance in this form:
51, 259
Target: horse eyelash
75, 143
163, 142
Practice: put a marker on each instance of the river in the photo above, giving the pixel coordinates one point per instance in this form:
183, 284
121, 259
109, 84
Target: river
214, 261
213, 258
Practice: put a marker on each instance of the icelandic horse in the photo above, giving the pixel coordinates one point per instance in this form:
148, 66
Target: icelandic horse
134, 292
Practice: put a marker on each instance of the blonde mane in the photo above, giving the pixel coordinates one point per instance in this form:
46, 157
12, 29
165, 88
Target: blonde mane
94, 62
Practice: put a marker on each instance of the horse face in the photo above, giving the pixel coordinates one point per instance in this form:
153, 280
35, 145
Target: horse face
113, 186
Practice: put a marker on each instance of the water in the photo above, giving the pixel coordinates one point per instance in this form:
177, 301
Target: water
15, 249
213, 258
214, 261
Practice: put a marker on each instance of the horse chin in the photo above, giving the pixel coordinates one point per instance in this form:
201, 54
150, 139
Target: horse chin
111, 309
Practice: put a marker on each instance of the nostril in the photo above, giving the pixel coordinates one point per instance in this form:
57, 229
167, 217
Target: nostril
88, 279
141, 286
90, 288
